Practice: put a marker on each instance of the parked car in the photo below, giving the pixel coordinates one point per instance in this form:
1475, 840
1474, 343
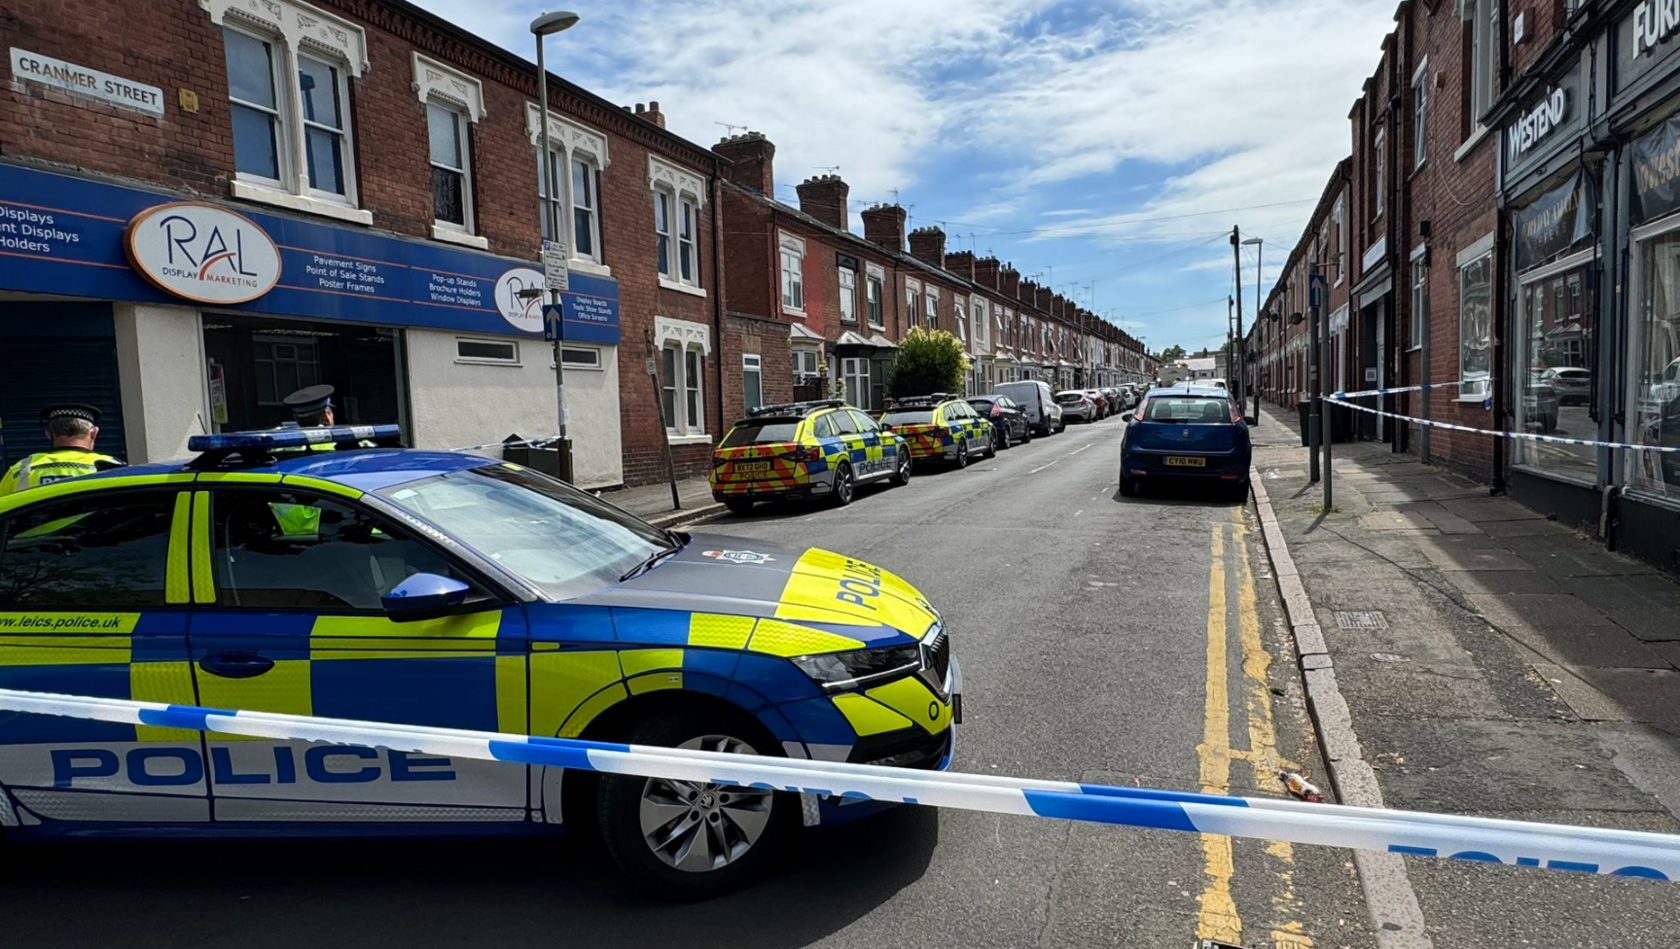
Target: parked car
1116, 400
1009, 420
1572, 384
1186, 433
1105, 408
1036, 398
1540, 403
804, 450
940, 427
1076, 406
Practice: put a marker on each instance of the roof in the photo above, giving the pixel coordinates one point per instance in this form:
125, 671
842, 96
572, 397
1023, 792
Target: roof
365, 469
1182, 389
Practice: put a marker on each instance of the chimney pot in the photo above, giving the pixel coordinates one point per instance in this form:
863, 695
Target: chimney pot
824, 198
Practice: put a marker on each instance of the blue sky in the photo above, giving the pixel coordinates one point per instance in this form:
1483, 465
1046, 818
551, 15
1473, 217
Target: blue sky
1106, 146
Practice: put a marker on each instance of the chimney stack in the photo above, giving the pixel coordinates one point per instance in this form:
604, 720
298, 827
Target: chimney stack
1009, 281
824, 198
961, 263
883, 224
751, 156
986, 272
928, 244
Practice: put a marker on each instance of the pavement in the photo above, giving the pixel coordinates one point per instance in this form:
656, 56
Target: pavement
652, 502
1103, 639
1482, 659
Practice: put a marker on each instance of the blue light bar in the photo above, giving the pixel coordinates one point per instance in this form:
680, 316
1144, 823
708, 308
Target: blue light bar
292, 437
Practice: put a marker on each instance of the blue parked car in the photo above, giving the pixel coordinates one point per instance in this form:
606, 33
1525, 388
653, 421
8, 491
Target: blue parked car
1186, 433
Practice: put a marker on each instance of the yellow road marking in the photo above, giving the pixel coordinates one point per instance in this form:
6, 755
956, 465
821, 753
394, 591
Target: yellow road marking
1218, 918
1287, 930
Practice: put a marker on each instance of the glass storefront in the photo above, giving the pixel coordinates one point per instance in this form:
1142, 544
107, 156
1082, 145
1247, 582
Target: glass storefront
254, 363
1654, 399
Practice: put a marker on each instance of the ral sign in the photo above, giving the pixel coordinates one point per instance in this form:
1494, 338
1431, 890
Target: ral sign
203, 253
519, 297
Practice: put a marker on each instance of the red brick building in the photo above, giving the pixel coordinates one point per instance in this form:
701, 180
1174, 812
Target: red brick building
391, 160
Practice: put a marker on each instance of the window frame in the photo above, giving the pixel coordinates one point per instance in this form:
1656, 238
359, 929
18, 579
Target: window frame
847, 294
688, 245
593, 364
875, 296
664, 235
346, 145
278, 56
1420, 114
1420, 306
463, 124
790, 248
461, 359
1379, 169
1479, 388
592, 180
800, 373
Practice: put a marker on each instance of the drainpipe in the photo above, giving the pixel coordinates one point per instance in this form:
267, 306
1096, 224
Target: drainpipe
1501, 279
717, 286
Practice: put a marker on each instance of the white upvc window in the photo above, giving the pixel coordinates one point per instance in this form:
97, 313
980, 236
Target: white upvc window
453, 102
793, 274
982, 321
912, 302
571, 195
855, 373
1339, 215
678, 196
931, 302
1420, 302
1420, 113
1379, 159
848, 295
806, 364
683, 348
1482, 18
875, 294
1475, 332
962, 321
289, 66
752, 380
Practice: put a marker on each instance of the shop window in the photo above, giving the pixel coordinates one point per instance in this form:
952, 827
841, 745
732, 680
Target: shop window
848, 295
874, 284
284, 365
1475, 327
503, 352
1555, 373
1655, 336
580, 357
752, 379
793, 274
451, 191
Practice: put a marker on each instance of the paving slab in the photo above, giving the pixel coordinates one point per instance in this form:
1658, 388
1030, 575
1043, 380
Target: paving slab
1541, 611
1582, 697
1609, 646
1490, 510
1647, 695
1525, 527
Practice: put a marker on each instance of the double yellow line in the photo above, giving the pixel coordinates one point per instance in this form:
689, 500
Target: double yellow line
1218, 918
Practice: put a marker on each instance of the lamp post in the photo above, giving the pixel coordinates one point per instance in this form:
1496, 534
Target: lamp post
541, 28
1259, 246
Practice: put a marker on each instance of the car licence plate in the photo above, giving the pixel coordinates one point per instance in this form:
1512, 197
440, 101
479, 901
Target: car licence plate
1186, 461
752, 467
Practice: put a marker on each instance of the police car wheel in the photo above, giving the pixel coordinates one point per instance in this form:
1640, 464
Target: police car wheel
844, 486
901, 476
738, 505
686, 840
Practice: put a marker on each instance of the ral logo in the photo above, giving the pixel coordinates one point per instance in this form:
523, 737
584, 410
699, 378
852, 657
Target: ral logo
737, 556
515, 301
203, 253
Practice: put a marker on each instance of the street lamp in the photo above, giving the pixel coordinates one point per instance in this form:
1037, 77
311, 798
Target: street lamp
542, 27
1259, 247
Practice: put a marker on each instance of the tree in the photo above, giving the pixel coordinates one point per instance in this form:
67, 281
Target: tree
1171, 354
927, 361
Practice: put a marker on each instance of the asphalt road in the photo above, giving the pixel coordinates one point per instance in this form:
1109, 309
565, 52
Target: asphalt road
1104, 639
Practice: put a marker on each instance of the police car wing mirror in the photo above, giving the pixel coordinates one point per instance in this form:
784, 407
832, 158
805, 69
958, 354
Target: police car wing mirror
423, 596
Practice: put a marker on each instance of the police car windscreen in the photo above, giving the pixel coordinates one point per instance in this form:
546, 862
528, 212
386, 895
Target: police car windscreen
908, 417
559, 539
1188, 411
761, 432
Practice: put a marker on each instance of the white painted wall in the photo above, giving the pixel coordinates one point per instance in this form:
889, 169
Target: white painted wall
455, 404
160, 364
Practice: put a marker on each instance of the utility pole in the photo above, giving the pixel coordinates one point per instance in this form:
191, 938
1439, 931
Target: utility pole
1314, 419
1259, 245
1236, 272
659, 409
1230, 303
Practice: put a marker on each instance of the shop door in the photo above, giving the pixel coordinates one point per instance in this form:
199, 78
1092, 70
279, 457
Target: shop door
1370, 350
50, 353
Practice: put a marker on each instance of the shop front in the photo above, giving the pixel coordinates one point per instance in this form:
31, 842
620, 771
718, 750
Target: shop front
181, 317
1551, 181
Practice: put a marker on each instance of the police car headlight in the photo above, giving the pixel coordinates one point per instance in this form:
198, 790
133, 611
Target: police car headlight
844, 670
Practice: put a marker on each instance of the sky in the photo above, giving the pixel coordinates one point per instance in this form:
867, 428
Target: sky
1104, 147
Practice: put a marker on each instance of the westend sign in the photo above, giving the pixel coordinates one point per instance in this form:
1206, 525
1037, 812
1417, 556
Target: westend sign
1533, 126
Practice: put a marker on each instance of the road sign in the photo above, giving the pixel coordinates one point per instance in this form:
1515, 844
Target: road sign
556, 275
1315, 283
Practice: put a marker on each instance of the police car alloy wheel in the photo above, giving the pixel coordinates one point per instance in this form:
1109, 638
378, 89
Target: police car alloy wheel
844, 486
901, 476
738, 505
962, 455
683, 840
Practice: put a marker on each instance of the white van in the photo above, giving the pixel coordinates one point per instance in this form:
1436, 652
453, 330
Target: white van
1036, 397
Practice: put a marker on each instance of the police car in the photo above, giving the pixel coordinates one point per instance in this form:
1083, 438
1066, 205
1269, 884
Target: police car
804, 450
440, 589
940, 427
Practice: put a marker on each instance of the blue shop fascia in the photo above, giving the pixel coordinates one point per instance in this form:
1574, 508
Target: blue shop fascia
178, 315
1590, 195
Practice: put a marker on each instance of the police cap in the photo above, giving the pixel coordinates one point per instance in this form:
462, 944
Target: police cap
309, 400
86, 413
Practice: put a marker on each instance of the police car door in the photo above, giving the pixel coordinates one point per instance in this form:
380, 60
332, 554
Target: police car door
878, 459
294, 624
93, 601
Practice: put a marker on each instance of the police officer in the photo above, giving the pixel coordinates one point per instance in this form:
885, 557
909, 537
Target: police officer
72, 430
311, 405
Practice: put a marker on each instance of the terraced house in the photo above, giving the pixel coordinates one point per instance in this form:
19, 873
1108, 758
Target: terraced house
1511, 202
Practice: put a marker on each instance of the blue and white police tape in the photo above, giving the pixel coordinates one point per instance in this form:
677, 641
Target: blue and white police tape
1396, 391
542, 442
1520, 843
1526, 436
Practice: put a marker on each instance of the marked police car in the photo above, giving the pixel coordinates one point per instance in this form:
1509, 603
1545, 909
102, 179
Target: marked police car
804, 450
441, 589
940, 427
